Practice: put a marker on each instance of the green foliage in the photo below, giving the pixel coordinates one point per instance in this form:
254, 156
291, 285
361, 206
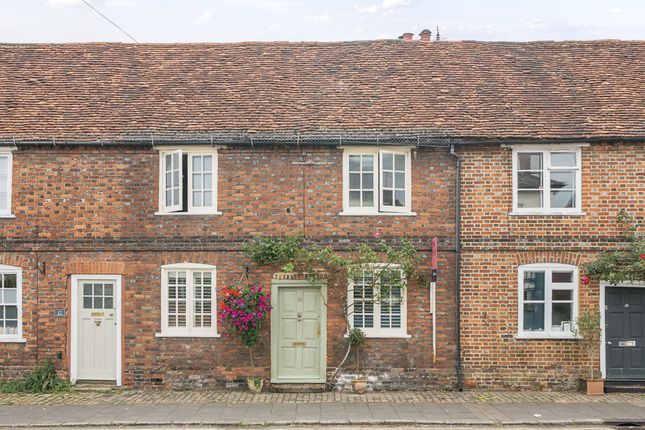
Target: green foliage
43, 379
267, 250
625, 265
588, 328
356, 337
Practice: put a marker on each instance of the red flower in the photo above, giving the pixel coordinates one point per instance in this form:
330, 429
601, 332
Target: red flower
584, 279
642, 256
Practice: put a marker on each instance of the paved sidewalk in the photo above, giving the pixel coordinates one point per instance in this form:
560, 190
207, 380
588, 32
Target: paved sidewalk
156, 408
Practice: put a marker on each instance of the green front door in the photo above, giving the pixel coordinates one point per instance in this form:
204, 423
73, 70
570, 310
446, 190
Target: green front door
298, 330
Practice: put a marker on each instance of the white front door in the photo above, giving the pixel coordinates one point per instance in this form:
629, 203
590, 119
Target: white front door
97, 328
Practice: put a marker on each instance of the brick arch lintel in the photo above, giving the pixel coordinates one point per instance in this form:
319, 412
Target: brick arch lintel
95, 268
561, 257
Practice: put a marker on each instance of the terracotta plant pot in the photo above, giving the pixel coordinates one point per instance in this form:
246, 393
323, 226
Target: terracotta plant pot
360, 385
255, 384
593, 387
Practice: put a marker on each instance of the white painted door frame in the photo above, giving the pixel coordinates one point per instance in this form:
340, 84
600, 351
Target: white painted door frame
603, 344
73, 371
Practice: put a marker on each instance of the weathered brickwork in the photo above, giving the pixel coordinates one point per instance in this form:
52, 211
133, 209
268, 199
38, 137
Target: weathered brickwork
92, 211
496, 243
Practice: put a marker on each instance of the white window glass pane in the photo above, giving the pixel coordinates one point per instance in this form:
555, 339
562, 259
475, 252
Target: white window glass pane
197, 163
387, 197
87, 289
368, 163
175, 178
197, 181
533, 317
533, 285
87, 302
399, 198
388, 162
108, 290
4, 165
197, 198
562, 277
529, 180
98, 302
563, 179
529, 161
563, 199
561, 312
399, 162
4, 183
354, 163
208, 198
355, 199
562, 295
3, 201
208, 181
563, 159
10, 296
168, 163
354, 181
387, 179
168, 197
98, 289
109, 303
175, 195
11, 312
368, 199
529, 199
208, 163
399, 180
368, 181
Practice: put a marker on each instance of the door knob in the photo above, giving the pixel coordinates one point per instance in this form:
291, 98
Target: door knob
299, 316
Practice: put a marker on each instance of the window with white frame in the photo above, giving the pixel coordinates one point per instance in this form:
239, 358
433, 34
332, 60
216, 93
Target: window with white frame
188, 181
547, 180
10, 303
548, 304
376, 301
376, 181
188, 300
5, 182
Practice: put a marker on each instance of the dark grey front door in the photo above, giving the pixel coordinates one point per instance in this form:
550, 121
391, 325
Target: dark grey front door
625, 333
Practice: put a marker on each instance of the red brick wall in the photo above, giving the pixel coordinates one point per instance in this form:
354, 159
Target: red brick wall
496, 243
92, 211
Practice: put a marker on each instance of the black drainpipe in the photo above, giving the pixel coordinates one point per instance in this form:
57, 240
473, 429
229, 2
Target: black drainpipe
460, 378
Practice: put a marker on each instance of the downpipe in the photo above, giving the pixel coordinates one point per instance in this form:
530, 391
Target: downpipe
460, 378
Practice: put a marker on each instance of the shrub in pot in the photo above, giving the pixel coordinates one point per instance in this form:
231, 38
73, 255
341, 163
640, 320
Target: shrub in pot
356, 340
588, 328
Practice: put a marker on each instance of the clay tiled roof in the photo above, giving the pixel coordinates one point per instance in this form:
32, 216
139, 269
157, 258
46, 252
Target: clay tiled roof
457, 89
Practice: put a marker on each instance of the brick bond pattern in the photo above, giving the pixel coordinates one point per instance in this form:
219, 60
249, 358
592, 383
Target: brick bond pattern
495, 244
92, 211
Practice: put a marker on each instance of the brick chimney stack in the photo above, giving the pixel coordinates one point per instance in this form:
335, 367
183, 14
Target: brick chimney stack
407, 37
425, 35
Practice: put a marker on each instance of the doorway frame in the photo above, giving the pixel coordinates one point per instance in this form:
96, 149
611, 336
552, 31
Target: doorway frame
74, 303
603, 343
276, 284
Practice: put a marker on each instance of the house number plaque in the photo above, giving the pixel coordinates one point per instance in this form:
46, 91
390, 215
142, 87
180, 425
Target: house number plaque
627, 343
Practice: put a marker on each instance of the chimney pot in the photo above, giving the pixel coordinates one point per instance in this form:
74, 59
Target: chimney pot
406, 37
425, 35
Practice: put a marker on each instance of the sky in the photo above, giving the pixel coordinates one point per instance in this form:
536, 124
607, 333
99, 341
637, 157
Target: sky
321, 20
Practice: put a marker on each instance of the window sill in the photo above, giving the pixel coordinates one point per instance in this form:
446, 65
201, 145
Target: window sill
537, 213
7, 216
542, 336
187, 213
13, 340
378, 214
385, 336
188, 335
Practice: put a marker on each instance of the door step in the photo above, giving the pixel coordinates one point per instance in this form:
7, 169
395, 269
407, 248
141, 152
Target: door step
87, 385
624, 386
298, 388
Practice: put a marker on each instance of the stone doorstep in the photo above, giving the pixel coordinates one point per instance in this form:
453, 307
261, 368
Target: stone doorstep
298, 388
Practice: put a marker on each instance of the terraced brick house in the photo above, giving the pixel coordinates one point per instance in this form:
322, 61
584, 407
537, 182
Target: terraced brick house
131, 174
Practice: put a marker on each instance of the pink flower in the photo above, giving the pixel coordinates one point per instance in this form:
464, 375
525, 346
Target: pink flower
378, 235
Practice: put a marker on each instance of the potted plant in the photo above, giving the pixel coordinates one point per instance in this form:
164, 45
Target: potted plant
588, 328
242, 311
356, 340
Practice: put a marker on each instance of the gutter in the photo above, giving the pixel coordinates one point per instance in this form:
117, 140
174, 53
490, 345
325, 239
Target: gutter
460, 378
